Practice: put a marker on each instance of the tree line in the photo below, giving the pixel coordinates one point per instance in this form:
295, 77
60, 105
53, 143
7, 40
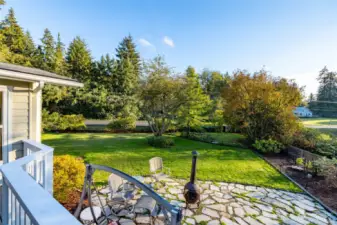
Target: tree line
111, 83
325, 102
123, 87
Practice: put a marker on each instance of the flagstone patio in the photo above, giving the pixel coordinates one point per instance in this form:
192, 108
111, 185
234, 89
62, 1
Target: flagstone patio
232, 204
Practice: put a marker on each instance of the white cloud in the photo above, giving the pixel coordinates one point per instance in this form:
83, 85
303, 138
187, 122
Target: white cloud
145, 43
168, 41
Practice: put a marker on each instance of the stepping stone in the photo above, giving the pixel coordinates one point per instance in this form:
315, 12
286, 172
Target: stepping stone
187, 212
200, 218
214, 188
267, 221
315, 221
203, 197
317, 217
220, 200
126, 222
227, 196
267, 208
252, 221
304, 206
190, 221
213, 222
239, 212
210, 212
208, 201
240, 221
143, 219
281, 212
288, 221
257, 195
235, 205
218, 194
244, 202
240, 186
239, 191
218, 207
175, 191
269, 215
299, 219
227, 221
251, 211
230, 210
250, 188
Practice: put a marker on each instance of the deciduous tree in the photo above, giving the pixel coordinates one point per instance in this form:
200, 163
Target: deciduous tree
260, 106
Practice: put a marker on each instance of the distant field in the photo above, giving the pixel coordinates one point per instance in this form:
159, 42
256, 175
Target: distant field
319, 121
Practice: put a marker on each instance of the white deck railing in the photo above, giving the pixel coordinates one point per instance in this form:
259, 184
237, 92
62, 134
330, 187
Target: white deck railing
27, 189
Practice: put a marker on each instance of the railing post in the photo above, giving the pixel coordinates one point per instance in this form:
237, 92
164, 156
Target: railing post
48, 172
4, 201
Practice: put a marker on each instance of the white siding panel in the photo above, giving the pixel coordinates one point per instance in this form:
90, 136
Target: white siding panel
20, 119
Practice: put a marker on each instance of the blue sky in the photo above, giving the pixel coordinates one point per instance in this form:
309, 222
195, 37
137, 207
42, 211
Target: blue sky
291, 38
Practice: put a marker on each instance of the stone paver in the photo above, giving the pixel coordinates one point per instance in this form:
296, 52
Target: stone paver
233, 204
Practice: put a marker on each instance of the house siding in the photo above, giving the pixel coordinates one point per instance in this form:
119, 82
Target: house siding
20, 119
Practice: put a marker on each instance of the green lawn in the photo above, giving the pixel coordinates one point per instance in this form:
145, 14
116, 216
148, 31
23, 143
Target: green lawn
319, 121
230, 139
130, 153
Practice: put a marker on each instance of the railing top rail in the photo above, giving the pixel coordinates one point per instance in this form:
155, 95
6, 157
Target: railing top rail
44, 149
38, 203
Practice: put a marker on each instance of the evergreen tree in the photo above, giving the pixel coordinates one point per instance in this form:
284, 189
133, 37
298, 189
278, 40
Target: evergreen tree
79, 60
60, 63
48, 51
327, 94
13, 35
30, 49
128, 67
328, 86
2, 3
311, 97
192, 114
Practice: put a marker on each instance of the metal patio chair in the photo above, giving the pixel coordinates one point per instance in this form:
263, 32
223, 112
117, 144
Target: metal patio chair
157, 169
120, 194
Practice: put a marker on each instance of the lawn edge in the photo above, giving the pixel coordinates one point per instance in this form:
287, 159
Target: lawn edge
300, 186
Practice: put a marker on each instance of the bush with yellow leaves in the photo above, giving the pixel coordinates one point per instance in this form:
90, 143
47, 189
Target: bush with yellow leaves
69, 175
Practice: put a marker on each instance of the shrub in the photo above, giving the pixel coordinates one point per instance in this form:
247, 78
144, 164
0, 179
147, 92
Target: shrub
326, 148
321, 166
55, 121
268, 146
327, 168
300, 161
160, 141
306, 138
125, 124
69, 175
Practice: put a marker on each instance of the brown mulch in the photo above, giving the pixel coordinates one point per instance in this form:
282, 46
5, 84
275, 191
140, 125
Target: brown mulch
72, 202
315, 185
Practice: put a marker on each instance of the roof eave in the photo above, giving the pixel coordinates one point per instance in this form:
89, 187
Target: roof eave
13, 75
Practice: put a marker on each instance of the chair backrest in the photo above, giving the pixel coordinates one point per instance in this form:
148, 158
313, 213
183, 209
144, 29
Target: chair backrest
114, 182
156, 164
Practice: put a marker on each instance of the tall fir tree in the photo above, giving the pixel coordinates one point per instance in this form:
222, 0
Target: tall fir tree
193, 112
128, 67
48, 51
79, 60
60, 63
13, 35
327, 94
2, 3
30, 49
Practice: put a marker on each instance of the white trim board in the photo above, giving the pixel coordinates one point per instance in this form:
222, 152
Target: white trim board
12, 75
